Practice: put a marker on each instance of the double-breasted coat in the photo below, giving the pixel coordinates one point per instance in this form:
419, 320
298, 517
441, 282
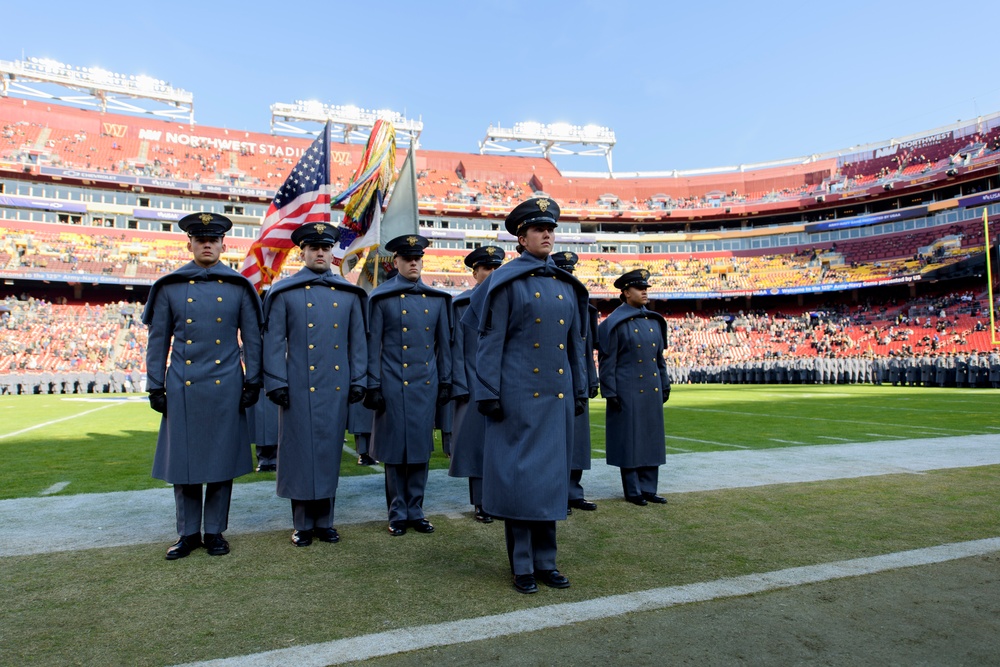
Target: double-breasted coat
409, 356
631, 367
528, 314
204, 437
315, 346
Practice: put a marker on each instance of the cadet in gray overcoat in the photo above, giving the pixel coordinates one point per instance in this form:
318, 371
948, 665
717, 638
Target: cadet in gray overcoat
409, 374
581, 429
205, 307
315, 363
469, 426
635, 383
532, 383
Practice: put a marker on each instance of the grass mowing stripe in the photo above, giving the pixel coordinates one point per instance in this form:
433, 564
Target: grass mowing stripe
822, 419
468, 630
56, 421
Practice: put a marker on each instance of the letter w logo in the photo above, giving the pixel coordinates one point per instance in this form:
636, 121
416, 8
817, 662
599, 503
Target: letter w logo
115, 130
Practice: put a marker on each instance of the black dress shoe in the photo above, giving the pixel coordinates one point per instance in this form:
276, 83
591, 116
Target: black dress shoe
636, 500
422, 526
583, 504
396, 529
525, 583
653, 498
267, 467
327, 534
552, 578
184, 546
365, 460
302, 538
216, 545
482, 516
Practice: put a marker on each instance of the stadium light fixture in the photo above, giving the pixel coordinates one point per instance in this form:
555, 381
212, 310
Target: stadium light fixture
549, 140
102, 88
353, 122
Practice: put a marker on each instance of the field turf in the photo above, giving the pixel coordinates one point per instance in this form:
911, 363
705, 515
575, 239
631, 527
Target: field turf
128, 606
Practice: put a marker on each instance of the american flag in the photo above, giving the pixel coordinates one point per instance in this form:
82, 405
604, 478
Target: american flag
304, 197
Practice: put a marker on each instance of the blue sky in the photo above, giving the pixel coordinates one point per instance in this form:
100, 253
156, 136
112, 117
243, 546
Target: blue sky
684, 86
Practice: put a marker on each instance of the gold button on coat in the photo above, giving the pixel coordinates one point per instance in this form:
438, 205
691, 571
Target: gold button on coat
218, 382
559, 395
188, 362
189, 320
187, 383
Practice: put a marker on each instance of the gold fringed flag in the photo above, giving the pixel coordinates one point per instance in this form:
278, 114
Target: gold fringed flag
361, 229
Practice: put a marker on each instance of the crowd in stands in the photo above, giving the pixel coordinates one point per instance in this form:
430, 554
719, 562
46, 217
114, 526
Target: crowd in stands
74, 345
948, 324
146, 256
42, 337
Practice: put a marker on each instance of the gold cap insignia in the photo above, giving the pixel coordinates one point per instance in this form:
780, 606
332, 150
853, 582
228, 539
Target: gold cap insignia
568, 255
490, 250
205, 218
412, 240
319, 228
645, 274
543, 204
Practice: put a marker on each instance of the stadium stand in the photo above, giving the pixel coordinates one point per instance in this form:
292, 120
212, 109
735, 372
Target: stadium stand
87, 200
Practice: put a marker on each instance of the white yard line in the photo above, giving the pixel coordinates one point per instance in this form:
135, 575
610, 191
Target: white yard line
56, 421
788, 442
467, 630
833, 437
706, 442
55, 488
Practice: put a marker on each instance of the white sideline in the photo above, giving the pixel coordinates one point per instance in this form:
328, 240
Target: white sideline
559, 615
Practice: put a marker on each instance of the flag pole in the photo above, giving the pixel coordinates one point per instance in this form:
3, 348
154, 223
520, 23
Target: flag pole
989, 279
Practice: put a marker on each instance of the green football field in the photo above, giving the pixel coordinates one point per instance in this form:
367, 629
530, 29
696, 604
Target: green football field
95, 444
126, 605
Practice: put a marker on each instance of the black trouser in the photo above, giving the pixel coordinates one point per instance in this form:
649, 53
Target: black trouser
404, 491
531, 545
637, 481
190, 506
310, 514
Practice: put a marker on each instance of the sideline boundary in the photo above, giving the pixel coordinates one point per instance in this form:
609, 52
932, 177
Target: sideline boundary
558, 615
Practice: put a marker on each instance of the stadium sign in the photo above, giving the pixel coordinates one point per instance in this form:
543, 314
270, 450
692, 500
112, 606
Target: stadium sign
221, 144
977, 200
865, 220
56, 277
154, 214
164, 183
46, 204
913, 143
